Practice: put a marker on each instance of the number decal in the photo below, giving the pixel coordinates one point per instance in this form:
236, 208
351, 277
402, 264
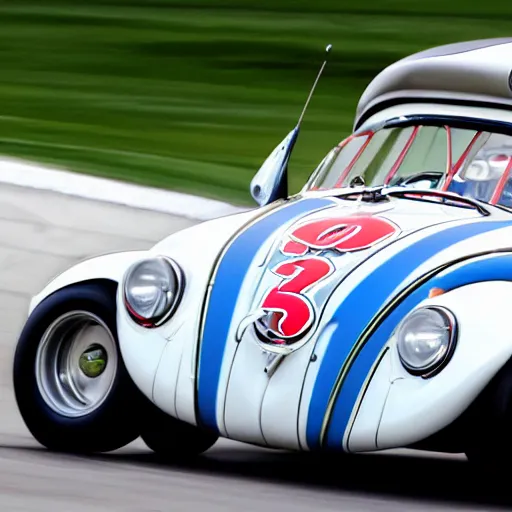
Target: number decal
286, 312
292, 312
345, 234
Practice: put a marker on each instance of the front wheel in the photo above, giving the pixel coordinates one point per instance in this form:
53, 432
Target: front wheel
71, 386
173, 439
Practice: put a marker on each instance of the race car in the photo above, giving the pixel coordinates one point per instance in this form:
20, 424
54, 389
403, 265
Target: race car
367, 312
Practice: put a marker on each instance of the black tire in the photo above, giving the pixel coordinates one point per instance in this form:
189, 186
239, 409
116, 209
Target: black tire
488, 441
109, 427
172, 439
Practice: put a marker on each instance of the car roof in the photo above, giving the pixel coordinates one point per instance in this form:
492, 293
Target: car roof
472, 72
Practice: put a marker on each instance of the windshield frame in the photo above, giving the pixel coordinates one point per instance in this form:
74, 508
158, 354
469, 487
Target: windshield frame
469, 122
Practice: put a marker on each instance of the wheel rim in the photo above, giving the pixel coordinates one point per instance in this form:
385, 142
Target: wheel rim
76, 363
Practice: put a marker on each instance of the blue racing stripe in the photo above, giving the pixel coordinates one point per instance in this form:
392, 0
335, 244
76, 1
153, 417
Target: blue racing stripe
230, 275
358, 309
498, 267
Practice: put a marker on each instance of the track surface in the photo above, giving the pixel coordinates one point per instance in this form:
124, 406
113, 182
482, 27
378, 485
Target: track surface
44, 233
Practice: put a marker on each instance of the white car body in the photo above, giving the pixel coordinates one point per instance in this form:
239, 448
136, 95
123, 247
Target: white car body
194, 368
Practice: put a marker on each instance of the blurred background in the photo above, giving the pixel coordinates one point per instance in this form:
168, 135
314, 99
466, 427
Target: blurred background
192, 95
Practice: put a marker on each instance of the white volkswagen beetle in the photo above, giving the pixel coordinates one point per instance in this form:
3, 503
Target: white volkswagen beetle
369, 311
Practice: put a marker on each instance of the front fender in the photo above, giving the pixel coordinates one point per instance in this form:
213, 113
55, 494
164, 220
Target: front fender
108, 266
416, 408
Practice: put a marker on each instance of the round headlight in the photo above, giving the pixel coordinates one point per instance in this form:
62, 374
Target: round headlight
425, 340
152, 289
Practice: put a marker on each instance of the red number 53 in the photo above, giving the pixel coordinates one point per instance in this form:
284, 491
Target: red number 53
292, 312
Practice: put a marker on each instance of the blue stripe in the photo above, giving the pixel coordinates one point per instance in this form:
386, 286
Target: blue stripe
356, 312
230, 275
475, 271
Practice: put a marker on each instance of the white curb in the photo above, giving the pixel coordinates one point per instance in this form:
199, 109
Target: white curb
17, 172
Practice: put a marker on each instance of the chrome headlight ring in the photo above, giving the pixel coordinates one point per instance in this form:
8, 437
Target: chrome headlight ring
152, 290
426, 340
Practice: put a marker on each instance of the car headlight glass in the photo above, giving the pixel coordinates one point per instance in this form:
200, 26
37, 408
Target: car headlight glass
152, 289
425, 339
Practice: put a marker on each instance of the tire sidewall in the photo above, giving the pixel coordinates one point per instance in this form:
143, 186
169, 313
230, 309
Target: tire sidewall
113, 423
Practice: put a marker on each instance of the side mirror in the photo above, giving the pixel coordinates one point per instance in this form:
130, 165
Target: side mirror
271, 181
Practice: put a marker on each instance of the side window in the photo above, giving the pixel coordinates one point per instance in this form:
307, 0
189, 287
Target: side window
485, 172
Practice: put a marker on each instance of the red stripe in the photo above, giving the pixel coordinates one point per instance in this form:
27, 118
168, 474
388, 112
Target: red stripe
460, 161
401, 156
356, 157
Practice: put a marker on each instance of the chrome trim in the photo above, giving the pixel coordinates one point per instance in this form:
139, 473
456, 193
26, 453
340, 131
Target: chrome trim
180, 279
434, 368
61, 381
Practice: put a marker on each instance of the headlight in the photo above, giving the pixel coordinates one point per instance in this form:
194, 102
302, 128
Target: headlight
152, 290
426, 339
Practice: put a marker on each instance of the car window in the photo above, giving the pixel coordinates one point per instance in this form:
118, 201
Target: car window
468, 162
378, 156
391, 154
427, 153
333, 171
485, 172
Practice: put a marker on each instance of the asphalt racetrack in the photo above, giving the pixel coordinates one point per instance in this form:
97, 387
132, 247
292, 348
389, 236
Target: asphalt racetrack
42, 233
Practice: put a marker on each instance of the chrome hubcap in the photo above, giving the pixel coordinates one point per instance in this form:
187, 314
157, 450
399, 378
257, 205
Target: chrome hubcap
76, 363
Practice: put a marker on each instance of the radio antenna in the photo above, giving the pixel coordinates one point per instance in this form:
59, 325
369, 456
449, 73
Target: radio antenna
271, 181
327, 51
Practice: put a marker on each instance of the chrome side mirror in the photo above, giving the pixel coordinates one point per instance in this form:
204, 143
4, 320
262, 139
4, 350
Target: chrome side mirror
270, 183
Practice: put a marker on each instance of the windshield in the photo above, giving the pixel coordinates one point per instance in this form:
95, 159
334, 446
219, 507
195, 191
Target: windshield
471, 163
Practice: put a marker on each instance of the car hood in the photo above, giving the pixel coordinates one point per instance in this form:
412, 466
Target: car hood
321, 273
289, 260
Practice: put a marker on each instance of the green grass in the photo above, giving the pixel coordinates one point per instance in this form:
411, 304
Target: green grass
192, 95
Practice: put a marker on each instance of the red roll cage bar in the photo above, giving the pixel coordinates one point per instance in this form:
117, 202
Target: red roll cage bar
452, 168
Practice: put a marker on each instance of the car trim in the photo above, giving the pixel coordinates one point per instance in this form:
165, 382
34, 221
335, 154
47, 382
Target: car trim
379, 107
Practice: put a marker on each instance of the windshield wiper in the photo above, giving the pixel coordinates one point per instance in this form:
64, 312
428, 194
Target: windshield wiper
420, 193
383, 192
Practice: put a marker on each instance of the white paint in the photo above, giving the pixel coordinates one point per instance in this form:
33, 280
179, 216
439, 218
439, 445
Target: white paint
417, 408
280, 405
141, 349
167, 372
363, 435
410, 222
243, 306
325, 333
195, 249
108, 266
245, 391
17, 172
253, 413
